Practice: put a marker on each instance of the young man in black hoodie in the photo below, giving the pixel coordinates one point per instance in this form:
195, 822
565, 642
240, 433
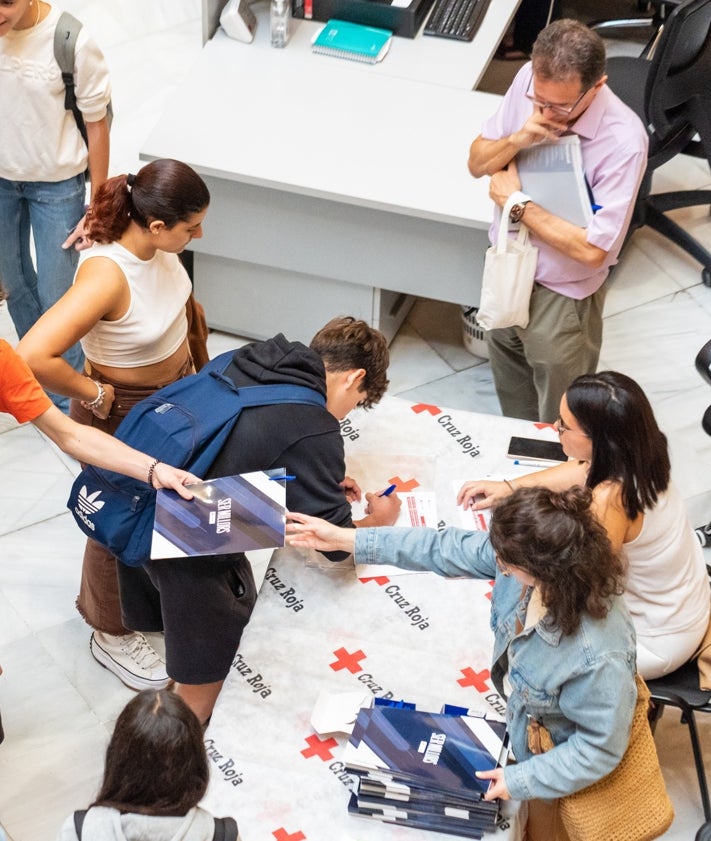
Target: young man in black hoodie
203, 604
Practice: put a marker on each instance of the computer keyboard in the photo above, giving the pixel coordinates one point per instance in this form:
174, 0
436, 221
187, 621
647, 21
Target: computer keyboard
458, 19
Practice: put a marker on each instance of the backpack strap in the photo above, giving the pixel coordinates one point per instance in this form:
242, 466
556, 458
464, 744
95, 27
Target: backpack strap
225, 830
250, 396
65, 39
79, 816
268, 395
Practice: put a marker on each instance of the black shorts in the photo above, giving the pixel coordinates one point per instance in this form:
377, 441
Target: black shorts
202, 604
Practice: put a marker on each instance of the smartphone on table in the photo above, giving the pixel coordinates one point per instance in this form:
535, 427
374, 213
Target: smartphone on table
534, 449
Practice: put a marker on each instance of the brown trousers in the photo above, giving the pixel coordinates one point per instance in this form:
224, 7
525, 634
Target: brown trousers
98, 601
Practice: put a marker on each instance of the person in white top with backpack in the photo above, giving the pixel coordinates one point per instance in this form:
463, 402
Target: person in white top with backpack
44, 158
156, 772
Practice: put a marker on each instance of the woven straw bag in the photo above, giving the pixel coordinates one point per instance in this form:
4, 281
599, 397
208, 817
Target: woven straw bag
629, 804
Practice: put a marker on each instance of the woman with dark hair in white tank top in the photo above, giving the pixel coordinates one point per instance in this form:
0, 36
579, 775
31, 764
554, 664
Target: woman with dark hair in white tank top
127, 307
609, 432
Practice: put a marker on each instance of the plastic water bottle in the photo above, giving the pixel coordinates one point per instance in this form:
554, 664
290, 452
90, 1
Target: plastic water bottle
279, 20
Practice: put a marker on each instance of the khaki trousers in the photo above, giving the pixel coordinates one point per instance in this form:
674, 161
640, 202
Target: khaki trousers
533, 366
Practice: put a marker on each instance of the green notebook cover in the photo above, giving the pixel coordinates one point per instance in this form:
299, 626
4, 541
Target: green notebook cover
352, 40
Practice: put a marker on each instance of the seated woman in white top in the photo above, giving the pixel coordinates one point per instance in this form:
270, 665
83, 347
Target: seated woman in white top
608, 430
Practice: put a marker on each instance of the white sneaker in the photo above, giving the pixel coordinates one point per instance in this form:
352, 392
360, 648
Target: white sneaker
131, 659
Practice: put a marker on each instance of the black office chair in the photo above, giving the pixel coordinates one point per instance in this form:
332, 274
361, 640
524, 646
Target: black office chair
671, 93
703, 366
680, 689
704, 834
655, 13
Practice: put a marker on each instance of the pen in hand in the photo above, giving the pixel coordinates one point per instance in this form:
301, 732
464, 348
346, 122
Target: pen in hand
388, 490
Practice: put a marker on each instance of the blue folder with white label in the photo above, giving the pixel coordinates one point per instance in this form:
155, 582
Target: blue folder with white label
229, 514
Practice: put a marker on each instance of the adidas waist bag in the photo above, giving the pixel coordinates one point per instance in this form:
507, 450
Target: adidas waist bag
185, 424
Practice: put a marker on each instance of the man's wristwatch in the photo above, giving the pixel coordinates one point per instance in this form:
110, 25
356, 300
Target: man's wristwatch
520, 201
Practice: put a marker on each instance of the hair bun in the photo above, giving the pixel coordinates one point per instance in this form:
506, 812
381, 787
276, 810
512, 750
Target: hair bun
572, 500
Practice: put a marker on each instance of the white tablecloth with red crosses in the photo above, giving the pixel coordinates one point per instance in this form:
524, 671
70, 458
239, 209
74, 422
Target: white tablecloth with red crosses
317, 627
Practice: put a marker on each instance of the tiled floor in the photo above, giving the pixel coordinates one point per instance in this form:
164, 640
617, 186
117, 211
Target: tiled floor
58, 704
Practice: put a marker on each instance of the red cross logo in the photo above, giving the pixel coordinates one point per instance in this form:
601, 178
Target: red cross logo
402, 485
426, 407
346, 660
475, 679
540, 425
380, 580
282, 835
319, 747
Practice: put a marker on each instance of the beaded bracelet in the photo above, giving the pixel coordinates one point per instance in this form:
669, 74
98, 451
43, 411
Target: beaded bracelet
99, 399
151, 469
511, 487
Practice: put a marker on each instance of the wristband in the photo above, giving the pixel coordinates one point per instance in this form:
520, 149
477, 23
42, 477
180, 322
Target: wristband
511, 487
151, 470
99, 399
517, 197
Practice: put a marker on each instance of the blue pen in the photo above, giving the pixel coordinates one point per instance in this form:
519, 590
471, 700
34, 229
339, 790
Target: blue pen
281, 478
388, 490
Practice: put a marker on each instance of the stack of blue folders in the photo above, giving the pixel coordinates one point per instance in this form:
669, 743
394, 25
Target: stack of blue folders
417, 768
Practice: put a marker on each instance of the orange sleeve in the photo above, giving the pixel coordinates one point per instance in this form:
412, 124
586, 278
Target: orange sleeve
20, 393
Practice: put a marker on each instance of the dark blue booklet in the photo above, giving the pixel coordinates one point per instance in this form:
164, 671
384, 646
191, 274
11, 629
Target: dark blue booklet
375, 791
229, 514
434, 823
433, 751
474, 815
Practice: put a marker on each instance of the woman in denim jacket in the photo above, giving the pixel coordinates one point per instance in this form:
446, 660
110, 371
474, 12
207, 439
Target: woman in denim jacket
564, 650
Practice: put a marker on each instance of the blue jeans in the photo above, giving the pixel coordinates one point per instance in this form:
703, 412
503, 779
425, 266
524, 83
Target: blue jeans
49, 210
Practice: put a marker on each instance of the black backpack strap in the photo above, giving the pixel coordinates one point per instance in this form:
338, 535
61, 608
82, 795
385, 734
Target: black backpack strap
79, 816
65, 39
225, 829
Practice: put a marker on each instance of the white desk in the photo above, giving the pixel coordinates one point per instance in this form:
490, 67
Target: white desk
332, 180
418, 637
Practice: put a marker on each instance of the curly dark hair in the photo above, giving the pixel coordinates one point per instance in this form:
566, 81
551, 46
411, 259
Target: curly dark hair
155, 762
555, 538
568, 50
627, 445
167, 190
346, 343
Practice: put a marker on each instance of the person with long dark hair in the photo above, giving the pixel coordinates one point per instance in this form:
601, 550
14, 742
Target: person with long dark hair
155, 774
564, 649
128, 308
609, 432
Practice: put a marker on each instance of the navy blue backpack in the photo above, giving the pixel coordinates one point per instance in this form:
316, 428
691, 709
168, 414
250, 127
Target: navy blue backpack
185, 424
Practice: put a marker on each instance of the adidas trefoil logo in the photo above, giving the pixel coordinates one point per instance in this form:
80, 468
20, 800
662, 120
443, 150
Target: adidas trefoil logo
88, 504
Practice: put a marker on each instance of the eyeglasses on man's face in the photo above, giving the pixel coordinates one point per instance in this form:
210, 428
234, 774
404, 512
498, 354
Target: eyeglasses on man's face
560, 109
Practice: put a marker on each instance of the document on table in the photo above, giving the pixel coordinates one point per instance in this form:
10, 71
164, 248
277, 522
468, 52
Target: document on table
419, 508
468, 517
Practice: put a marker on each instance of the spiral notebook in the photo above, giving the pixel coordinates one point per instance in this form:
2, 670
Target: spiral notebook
353, 41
